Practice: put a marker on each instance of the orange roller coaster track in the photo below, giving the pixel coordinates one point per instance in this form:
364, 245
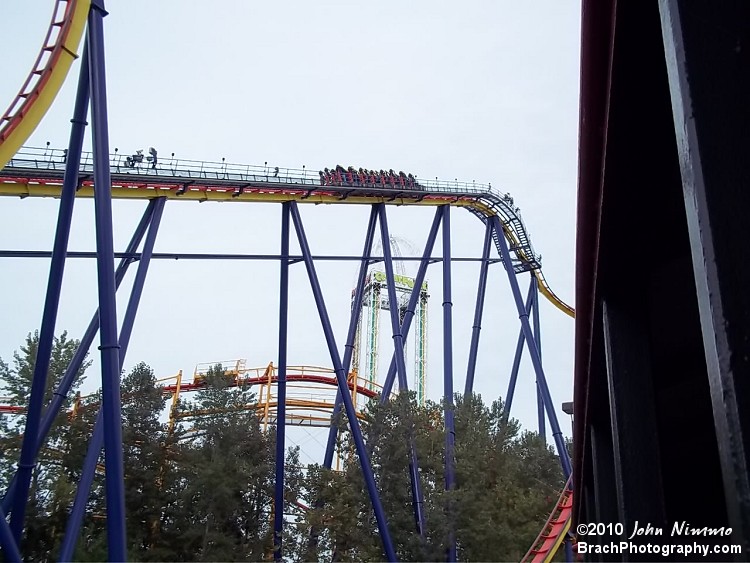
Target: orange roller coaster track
310, 397
554, 531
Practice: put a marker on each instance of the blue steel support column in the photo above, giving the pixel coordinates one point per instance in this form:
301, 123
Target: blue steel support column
398, 339
353, 319
61, 393
413, 299
569, 557
8, 542
29, 450
139, 281
110, 361
538, 339
278, 519
364, 460
450, 431
526, 327
479, 309
348, 352
95, 445
73, 525
517, 361
398, 344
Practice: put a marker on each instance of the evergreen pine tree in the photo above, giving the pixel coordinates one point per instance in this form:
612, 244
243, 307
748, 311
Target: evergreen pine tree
228, 472
50, 492
146, 470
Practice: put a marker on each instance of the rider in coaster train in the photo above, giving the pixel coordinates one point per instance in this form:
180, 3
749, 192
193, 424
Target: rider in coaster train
340, 176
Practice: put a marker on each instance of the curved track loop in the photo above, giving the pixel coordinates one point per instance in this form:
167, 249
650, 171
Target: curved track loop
553, 533
35, 172
46, 77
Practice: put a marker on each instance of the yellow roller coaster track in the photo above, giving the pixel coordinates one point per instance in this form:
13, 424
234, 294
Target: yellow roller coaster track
35, 172
46, 77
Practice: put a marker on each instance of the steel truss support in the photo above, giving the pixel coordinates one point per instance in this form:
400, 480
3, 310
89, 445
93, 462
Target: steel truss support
367, 472
538, 339
351, 333
398, 355
569, 556
278, 519
27, 461
95, 445
91, 86
533, 351
71, 372
113, 348
478, 311
413, 299
171, 256
450, 429
517, 357
109, 345
398, 338
8, 542
349, 349
404, 329
405, 325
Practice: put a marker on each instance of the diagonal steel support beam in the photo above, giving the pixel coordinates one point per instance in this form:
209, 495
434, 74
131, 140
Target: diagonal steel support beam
325, 321
478, 311
398, 344
413, 299
27, 461
533, 351
8, 542
95, 445
348, 353
517, 360
60, 394
350, 335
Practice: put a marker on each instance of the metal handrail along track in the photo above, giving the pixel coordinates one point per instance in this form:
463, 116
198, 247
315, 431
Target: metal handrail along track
37, 172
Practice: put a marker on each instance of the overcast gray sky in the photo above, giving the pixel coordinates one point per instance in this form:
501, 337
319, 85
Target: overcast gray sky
482, 90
